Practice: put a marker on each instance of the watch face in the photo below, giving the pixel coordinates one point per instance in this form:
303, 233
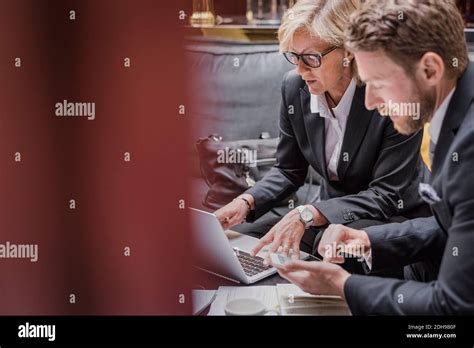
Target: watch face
306, 215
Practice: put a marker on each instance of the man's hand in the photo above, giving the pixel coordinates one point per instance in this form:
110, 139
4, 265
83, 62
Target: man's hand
339, 239
235, 212
316, 277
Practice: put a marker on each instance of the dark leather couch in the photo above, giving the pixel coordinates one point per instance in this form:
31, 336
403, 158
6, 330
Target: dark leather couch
236, 93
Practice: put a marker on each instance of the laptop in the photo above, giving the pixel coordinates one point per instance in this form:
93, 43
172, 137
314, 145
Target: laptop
226, 253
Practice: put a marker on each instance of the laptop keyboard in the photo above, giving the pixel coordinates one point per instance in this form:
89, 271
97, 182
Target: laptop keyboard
252, 264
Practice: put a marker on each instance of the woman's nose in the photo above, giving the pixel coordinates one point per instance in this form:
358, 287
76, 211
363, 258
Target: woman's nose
301, 68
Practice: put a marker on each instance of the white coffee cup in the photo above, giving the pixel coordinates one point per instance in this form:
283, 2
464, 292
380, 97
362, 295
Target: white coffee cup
247, 306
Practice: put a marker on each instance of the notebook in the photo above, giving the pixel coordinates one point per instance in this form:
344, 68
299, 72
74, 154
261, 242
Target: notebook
288, 299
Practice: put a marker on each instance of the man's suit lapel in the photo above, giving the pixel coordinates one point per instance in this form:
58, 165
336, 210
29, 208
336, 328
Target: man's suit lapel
356, 129
455, 114
314, 125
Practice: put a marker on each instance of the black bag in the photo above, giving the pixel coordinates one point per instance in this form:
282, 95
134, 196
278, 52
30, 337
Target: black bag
231, 167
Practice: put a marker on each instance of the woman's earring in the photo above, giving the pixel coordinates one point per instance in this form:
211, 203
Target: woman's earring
346, 62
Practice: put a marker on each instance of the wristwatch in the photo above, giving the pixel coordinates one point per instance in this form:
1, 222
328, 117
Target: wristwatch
306, 216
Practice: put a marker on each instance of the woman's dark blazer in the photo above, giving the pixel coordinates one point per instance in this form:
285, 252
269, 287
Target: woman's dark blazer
379, 169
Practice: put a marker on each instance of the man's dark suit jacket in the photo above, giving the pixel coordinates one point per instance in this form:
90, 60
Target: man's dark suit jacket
447, 238
379, 169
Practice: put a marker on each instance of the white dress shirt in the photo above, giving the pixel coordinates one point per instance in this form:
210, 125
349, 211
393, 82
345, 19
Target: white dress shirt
438, 117
334, 125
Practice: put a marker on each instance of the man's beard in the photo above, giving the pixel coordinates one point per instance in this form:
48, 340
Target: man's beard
427, 100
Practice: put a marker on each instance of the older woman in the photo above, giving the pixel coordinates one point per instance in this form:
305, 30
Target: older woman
369, 172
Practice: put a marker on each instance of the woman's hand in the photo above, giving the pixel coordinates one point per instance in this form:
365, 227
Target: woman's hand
233, 213
287, 234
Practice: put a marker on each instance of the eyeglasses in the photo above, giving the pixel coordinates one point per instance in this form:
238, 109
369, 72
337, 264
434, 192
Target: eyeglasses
312, 60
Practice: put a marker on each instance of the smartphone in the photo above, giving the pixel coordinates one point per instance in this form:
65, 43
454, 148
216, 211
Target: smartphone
278, 260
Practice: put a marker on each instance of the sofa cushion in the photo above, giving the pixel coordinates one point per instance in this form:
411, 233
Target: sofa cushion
240, 86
